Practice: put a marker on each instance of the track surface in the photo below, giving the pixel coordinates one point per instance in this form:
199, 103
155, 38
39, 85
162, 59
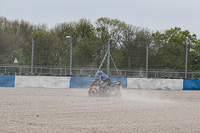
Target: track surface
40, 110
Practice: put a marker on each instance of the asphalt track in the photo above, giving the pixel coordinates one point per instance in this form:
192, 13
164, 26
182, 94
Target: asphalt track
41, 110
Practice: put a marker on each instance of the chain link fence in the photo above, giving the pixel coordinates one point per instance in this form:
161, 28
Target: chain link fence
131, 58
58, 71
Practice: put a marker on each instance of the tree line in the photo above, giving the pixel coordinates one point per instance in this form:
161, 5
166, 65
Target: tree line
166, 50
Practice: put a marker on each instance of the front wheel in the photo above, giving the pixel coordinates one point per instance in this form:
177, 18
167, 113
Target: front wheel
93, 92
90, 92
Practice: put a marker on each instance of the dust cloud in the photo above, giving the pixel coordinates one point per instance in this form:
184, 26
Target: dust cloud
147, 96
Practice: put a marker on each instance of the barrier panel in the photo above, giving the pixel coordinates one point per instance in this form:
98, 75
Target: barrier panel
155, 84
123, 81
191, 84
7, 80
84, 82
42, 81
80, 82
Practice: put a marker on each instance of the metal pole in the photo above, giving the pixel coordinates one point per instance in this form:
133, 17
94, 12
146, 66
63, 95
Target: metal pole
147, 59
102, 63
114, 65
32, 56
186, 59
108, 58
70, 69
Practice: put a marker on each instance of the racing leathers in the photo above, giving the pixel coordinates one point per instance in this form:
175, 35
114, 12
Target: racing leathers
106, 81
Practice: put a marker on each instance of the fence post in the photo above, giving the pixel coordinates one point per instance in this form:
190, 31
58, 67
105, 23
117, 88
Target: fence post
65, 71
60, 71
5, 69
40, 70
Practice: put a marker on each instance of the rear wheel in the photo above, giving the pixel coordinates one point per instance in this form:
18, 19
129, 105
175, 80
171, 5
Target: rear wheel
118, 93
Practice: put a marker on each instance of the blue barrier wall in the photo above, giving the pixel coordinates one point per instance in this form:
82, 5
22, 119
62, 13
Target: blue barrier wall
123, 81
84, 82
7, 80
191, 84
80, 82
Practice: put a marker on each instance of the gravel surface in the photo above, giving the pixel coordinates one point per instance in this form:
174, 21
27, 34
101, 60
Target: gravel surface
41, 110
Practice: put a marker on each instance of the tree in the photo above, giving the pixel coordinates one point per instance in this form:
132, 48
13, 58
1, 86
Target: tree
195, 63
85, 44
106, 29
46, 49
128, 48
84, 41
170, 48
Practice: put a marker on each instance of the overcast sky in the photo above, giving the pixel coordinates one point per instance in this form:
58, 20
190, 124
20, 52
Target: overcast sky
152, 14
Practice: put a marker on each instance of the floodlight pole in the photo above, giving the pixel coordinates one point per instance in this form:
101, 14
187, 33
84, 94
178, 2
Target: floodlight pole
147, 59
71, 43
108, 58
108, 55
186, 59
32, 56
114, 65
101, 63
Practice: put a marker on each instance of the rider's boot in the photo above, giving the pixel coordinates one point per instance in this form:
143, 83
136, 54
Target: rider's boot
101, 90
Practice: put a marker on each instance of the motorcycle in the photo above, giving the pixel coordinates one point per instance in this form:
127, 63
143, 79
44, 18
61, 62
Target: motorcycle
114, 90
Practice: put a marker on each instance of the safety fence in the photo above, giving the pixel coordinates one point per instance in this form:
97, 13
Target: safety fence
59, 71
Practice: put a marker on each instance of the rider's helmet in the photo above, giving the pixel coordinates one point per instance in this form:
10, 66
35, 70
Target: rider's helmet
100, 72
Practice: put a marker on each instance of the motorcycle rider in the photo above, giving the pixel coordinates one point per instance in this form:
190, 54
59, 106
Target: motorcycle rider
106, 80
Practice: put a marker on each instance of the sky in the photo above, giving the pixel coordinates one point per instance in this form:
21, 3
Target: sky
155, 15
